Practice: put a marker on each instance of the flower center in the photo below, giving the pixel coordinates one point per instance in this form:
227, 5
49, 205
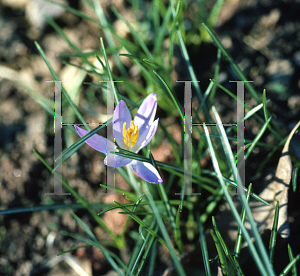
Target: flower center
130, 135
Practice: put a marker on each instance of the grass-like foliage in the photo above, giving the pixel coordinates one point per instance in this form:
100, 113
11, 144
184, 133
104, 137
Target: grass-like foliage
176, 222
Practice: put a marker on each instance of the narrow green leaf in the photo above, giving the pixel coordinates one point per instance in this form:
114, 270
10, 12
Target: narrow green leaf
161, 34
74, 11
119, 241
137, 203
222, 257
91, 69
187, 204
233, 261
10, 211
253, 111
152, 259
73, 249
233, 184
105, 252
294, 178
165, 199
252, 249
90, 54
140, 227
140, 213
236, 69
60, 31
257, 137
109, 32
104, 86
206, 94
216, 74
270, 155
72, 149
290, 266
64, 93
165, 234
133, 32
238, 242
214, 15
186, 57
228, 92
273, 237
131, 155
131, 56
165, 166
172, 39
134, 257
264, 98
181, 198
266, 268
178, 233
102, 65
85, 227
129, 195
203, 246
171, 95
140, 222
291, 257
148, 247
108, 70
152, 63
239, 73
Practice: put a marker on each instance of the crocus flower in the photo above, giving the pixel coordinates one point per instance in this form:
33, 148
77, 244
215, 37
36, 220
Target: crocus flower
131, 135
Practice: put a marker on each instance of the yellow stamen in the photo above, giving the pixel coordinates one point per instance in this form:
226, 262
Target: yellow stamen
130, 135
124, 134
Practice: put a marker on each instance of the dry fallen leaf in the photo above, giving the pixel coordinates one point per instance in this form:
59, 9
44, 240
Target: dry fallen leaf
277, 190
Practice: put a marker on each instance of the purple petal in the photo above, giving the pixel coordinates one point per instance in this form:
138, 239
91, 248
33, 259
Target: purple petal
96, 141
112, 160
147, 135
145, 116
146, 171
146, 112
121, 115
